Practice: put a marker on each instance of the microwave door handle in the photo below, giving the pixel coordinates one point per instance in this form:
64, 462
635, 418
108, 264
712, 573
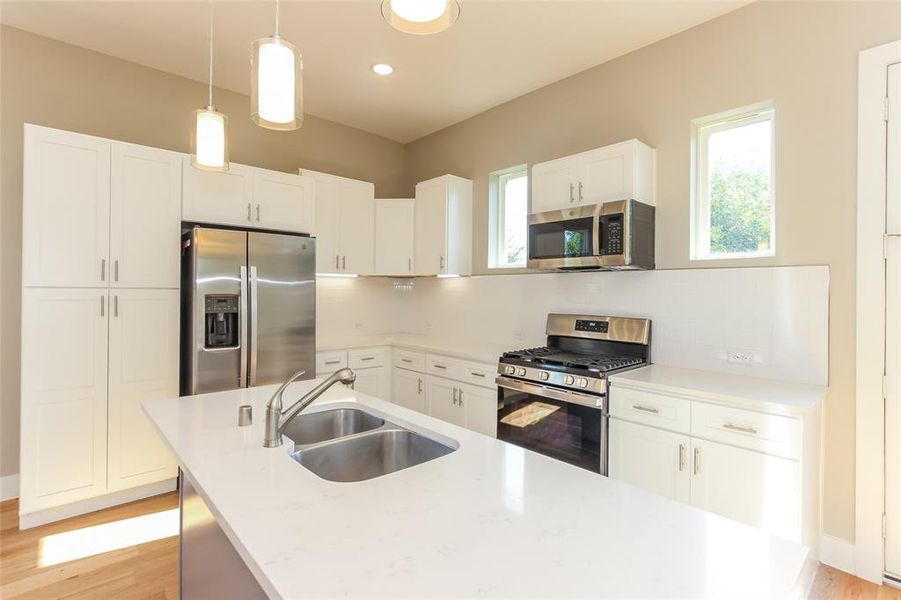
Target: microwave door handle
254, 325
242, 357
597, 235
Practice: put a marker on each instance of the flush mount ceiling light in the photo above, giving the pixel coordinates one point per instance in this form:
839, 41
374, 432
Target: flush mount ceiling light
421, 17
276, 82
382, 69
209, 144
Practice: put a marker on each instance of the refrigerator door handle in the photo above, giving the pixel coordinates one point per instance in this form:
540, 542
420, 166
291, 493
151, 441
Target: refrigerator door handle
242, 370
254, 325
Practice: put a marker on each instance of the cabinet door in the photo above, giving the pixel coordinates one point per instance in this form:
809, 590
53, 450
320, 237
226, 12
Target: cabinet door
64, 396
757, 489
143, 365
358, 228
430, 236
145, 217
554, 184
606, 174
409, 389
327, 226
217, 198
480, 406
283, 201
650, 458
443, 395
373, 381
394, 237
65, 221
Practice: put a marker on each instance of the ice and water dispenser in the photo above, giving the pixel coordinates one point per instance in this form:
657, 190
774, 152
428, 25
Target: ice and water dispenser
221, 321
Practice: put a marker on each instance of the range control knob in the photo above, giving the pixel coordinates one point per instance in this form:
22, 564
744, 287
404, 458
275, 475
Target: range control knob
510, 370
544, 376
583, 383
521, 371
569, 379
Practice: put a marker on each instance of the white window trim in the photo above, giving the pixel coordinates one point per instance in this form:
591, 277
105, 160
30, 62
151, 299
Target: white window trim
700, 204
496, 219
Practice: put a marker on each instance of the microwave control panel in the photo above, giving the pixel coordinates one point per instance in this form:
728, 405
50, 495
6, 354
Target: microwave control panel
612, 234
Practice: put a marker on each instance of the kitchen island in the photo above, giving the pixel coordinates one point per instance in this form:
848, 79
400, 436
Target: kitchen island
487, 520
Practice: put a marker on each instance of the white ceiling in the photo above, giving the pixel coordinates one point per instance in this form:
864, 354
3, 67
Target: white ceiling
498, 50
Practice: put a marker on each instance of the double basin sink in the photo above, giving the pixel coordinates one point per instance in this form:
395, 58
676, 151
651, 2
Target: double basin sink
349, 444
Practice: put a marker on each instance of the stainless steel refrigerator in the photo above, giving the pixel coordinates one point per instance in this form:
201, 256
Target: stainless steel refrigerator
248, 308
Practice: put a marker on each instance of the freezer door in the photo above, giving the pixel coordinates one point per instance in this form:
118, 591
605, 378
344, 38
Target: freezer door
282, 306
216, 341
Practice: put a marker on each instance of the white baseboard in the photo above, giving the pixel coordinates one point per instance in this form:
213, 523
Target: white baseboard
42, 517
9, 486
838, 553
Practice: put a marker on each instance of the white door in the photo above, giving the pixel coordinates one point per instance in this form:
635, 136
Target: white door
606, 174
430, 237
217, 198
358, 228
757, 489
480, 407
65, 218
654, 460
143, 365
394, 237
145, 217
893, 330
554, 184
283, 201
443, 395
409, 390
373, 381
64, 393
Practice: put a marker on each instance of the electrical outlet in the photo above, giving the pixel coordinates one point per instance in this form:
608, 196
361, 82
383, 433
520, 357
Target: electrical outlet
739, 357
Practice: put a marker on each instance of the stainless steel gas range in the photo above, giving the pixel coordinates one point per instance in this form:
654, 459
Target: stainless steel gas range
553, 399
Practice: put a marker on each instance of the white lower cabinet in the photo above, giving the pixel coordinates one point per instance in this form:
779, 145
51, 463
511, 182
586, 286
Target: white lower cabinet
373, 381
481, 408
443, 400
143, 365
650, 458
409, 389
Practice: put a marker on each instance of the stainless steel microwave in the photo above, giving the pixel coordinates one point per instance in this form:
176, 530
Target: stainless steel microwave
612, 235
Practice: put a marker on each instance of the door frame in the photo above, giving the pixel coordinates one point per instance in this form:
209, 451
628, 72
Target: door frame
869, 548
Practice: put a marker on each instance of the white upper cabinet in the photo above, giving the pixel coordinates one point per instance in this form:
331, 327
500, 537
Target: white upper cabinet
443, 227
65, 209
145, 217
615, 172
143, 365
394, 247
283, 201
218, 198
345, 224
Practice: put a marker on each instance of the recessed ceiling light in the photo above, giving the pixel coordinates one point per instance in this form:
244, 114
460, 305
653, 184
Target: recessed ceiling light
382, 69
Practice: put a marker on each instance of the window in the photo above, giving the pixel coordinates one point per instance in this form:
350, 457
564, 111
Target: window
733, 208
509, 200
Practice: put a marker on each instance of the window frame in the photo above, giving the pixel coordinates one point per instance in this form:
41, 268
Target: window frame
702, 129
497, 225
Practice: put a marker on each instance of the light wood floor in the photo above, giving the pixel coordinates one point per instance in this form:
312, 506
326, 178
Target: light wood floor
150, 570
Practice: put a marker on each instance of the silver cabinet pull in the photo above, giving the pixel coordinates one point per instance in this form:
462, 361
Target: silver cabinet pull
332, 362
455, 395
102, 306
420, 384
102, 269
368, 358
697, 461
337, 258
740, 428
441, 262
116, 269
410, 265
258, 213
647, 409
343, 263
460, 401
681, 457
474, 374
248, 211
406, 360
437, 366
580, 191
571, 198
116, 305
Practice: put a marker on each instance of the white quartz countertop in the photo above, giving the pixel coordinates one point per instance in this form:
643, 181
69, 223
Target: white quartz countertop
754, 393
477, 350
488, 520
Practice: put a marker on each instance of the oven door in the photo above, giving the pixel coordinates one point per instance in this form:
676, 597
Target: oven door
564, 238
562, 424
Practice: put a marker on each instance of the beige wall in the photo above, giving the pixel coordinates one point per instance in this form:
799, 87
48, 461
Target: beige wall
803, 56
58, 85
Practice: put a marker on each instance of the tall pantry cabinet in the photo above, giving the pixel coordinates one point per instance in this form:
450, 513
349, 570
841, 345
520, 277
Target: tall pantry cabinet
100, 302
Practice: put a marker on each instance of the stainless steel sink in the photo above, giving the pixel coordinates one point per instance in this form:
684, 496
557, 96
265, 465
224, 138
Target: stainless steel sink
326, 425
371, 454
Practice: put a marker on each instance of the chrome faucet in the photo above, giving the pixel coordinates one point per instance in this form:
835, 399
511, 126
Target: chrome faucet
275, 424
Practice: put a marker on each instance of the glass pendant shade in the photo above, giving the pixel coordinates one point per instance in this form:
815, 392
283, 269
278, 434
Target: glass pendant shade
209, 143
421, 17
276, 82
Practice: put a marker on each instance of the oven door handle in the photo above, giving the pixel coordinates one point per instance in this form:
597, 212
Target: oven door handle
548, 392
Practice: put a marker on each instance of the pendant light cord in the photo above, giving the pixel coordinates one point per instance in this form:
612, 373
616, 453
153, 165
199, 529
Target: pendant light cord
212, 6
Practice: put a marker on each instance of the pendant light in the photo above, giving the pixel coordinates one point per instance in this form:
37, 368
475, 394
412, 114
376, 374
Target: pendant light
209, 144
276, 82
421, 17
